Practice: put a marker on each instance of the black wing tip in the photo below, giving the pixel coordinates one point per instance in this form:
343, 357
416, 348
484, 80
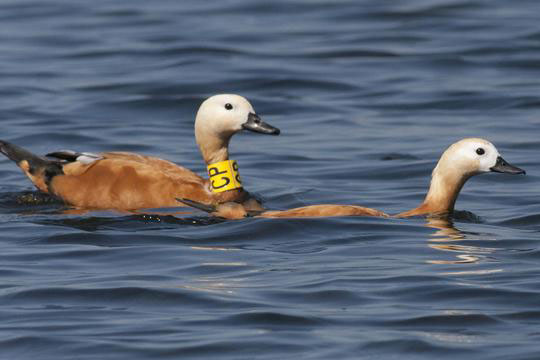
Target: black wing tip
64, 155
197, 205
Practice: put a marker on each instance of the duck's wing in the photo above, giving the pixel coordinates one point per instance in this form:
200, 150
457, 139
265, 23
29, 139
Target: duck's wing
124, 181
159, 165
108, 180
72, 156
77, 163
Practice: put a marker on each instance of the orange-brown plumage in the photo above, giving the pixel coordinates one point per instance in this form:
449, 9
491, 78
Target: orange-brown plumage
132, 181
324, 211
232, 210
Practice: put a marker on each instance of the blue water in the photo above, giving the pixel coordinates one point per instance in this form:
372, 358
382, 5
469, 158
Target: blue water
367, 95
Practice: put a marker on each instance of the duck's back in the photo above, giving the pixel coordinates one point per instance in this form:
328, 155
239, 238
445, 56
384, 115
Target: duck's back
324, 211
127, 181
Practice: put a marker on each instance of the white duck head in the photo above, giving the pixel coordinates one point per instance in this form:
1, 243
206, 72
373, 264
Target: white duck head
219, 118
473, 156
463, 159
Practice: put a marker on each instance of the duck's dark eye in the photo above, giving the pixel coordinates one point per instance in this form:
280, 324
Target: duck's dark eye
228, 106
480, 151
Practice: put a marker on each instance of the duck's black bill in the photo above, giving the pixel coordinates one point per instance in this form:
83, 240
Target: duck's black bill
255, 124
503, 167
197, 205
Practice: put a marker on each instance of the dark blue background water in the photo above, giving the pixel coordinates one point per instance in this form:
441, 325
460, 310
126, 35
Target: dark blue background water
367, 95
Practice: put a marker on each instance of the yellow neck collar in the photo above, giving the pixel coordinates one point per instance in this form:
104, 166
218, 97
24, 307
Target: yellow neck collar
224, 176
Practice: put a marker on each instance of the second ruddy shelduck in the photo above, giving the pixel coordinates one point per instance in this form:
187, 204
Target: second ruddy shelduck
128, 181
461, 161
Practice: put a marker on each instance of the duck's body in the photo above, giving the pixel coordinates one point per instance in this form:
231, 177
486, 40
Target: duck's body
232, 210
133, 181
323, 211
462, 160
128, 181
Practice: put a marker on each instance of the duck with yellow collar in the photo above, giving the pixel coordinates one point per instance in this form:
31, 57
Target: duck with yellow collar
462, 160
129, 181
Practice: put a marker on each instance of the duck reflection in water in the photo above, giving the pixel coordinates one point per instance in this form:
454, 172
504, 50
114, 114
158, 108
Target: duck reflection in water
445, 238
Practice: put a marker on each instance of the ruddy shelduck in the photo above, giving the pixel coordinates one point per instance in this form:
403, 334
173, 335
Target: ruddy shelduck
461, 161
128, 181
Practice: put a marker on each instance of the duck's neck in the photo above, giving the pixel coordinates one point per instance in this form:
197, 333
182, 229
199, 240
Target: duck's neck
443, 192
213, 148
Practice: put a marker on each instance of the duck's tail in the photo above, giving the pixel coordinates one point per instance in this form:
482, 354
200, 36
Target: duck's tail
18, 155
38, 169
